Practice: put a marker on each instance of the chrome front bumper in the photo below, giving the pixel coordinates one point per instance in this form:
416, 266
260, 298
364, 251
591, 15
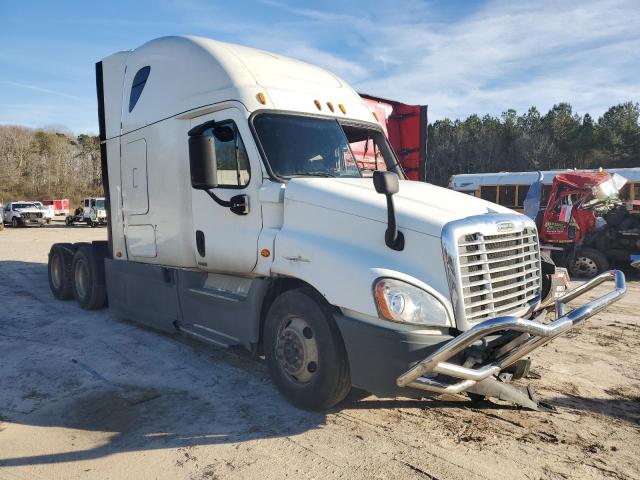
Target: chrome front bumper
533, 335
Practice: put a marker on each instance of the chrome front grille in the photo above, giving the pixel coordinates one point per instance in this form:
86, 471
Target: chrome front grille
499, 273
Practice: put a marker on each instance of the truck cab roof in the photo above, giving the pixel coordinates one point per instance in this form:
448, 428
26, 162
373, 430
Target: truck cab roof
183, 75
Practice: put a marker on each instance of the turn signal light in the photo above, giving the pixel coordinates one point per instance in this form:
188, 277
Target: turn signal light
261, 98
342, 109
265, 252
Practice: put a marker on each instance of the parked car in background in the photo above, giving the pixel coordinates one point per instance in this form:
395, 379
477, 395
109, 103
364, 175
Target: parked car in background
23, 213
47, 210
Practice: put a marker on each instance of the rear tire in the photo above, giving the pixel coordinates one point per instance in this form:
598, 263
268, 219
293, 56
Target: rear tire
60, 270
587, 263
305, 352
89, 284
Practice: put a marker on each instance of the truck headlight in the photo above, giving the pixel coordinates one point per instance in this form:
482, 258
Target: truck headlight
399, 301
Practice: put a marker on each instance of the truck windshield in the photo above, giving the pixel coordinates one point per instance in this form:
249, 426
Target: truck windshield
23, 205
100, 204
297, 146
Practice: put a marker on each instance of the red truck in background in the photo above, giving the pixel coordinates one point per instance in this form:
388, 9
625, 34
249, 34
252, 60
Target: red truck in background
60, 206
406, 128
569, 223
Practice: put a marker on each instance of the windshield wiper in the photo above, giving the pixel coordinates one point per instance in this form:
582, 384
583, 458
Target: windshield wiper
310, 174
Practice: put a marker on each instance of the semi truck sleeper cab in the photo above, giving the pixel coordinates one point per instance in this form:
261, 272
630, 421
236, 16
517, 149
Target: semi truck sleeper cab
238, 214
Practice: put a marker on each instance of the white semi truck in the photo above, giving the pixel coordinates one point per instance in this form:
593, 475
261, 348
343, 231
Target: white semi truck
237, 215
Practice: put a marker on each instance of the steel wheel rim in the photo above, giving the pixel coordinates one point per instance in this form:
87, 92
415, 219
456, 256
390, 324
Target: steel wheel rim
585, 266
81, 276
297, 351
56, 271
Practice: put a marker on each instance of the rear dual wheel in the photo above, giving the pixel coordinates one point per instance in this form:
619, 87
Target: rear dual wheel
60, 270
89, 285
77, 271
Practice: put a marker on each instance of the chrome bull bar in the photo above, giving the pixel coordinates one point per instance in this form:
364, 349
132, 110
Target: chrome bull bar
538, 335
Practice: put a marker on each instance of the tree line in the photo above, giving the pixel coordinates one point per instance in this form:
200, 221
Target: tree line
45, 163
560, 139
37, 164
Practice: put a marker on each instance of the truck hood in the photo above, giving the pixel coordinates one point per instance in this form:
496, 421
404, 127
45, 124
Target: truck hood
29, 210
419, 206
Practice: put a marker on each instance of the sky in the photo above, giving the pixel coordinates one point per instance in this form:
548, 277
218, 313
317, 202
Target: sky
458, 57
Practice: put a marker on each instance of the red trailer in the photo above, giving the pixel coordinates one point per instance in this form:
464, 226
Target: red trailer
60, 206
406, 128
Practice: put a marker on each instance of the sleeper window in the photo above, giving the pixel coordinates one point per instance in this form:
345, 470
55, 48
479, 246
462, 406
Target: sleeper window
137, 86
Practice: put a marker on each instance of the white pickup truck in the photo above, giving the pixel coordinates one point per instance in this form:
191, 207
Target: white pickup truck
19, 214
238, 215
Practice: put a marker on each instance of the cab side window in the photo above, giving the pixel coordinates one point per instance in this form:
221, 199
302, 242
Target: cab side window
86, 202
231, 156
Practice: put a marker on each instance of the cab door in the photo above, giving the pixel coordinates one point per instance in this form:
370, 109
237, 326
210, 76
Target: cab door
224, 241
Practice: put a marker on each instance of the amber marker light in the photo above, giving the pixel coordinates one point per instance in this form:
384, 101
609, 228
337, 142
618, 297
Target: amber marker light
342, 109
265, 252
118, 254
382, 302
262, 99
375, 115
318, 105
330, 105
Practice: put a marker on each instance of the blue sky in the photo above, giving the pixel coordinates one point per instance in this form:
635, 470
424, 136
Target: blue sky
458, 57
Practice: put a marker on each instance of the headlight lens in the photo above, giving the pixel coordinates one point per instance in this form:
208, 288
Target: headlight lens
402, 302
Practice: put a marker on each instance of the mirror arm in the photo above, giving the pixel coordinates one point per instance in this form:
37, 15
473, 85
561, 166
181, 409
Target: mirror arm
238, 204
393, 237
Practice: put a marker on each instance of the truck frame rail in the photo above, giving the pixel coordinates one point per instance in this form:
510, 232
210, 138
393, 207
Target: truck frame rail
534, 334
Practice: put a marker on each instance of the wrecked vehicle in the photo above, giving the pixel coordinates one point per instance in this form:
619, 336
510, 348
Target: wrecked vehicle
588, 224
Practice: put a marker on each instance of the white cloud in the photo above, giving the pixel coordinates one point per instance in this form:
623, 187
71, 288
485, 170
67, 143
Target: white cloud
504, 55
45, 90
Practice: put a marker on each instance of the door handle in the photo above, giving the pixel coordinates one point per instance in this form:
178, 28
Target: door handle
200, 243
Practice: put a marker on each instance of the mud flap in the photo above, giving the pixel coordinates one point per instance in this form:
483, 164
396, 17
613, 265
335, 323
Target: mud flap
523, 396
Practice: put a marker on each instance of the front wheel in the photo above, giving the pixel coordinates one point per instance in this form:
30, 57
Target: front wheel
587, 263
15, 223
305, 352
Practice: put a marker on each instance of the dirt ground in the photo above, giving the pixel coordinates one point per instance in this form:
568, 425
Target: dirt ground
84, 395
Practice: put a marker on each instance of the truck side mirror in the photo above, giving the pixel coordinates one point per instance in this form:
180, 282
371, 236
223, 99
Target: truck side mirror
204, 167
202, 158
387, 184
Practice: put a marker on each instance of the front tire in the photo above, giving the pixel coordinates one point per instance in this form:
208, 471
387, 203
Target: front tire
15, 223
305, 352
587, 263
89, 284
